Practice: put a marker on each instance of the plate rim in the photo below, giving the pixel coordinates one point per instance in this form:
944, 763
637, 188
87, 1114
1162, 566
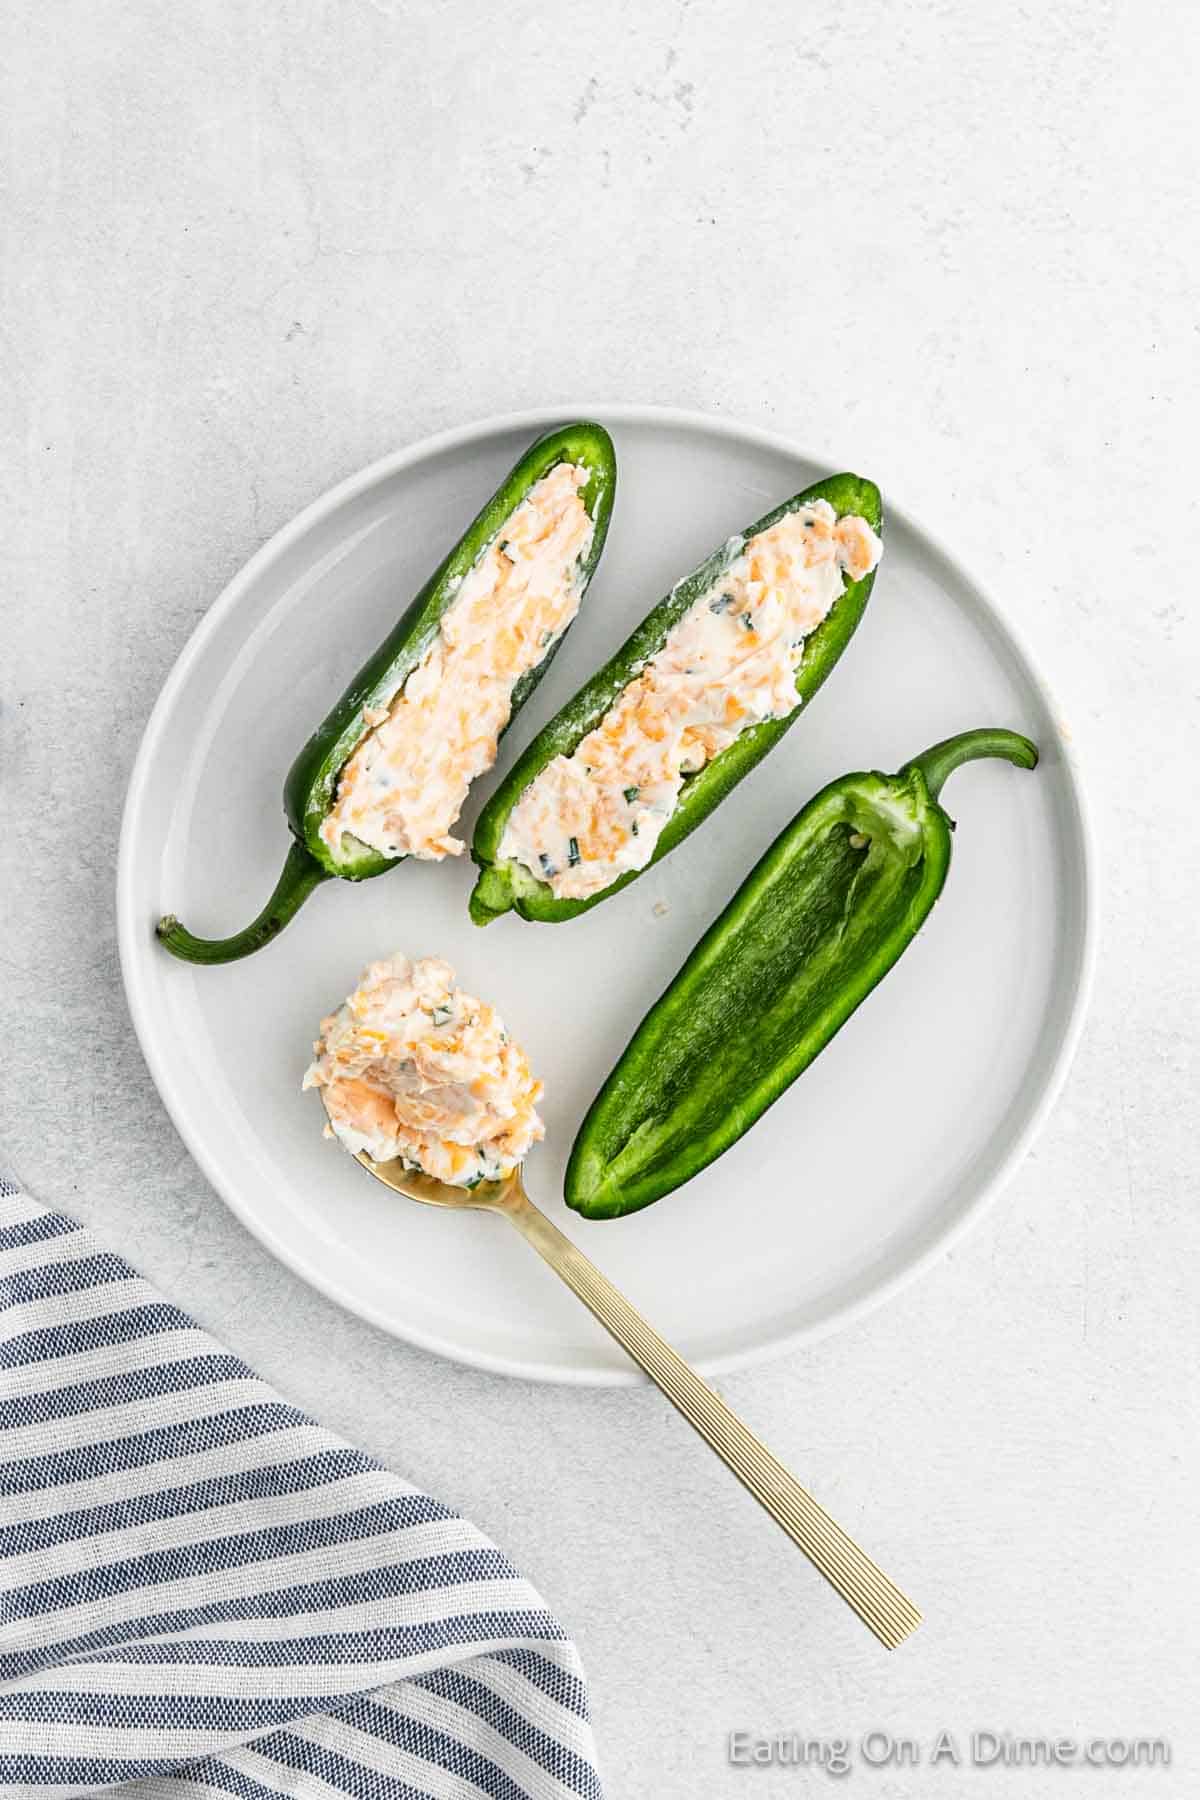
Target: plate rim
130, 924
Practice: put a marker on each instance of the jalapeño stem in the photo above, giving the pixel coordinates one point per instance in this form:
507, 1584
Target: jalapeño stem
942, 760
301, 874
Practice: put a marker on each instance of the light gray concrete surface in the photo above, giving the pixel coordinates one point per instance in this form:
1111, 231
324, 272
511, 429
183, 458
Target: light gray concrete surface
249, 248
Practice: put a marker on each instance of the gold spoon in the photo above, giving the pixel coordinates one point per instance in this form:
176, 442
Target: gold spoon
876, 1599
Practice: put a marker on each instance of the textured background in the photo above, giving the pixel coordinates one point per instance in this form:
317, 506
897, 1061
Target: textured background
249, 248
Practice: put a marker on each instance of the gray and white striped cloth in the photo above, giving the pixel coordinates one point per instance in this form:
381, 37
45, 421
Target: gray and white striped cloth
203, 1592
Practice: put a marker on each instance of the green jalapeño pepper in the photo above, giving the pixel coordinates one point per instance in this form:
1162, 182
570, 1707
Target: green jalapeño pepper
505, 883
815, 925
310, 791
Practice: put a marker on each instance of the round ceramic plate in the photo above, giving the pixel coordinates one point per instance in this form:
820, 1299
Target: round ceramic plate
856, 1178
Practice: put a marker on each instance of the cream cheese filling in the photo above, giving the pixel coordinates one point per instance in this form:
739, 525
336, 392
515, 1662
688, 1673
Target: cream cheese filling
403, 788
410, 1066
727, 664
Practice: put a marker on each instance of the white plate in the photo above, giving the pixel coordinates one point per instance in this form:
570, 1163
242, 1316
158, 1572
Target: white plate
872, 1164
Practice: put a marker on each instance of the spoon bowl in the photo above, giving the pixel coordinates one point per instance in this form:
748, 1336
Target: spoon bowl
414, 1184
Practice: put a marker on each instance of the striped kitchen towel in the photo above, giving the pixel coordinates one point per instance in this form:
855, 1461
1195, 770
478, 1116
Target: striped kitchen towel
203, 1592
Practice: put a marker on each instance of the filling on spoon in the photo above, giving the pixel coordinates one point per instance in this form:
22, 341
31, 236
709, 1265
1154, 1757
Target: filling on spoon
410, 1066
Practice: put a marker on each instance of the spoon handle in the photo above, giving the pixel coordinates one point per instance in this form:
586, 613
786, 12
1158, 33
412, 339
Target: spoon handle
864, 1587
